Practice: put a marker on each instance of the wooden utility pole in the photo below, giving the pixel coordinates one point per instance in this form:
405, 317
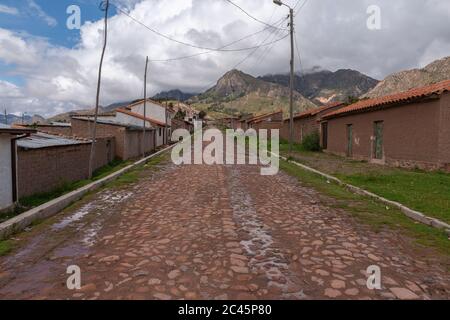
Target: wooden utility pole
94, 130
145, 108
291, 87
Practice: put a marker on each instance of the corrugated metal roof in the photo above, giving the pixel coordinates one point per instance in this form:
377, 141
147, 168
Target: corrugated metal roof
16, 130
43, 140
114, 123
59, 124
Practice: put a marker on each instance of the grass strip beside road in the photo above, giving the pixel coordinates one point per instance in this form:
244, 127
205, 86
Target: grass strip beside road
369, 211
427, 192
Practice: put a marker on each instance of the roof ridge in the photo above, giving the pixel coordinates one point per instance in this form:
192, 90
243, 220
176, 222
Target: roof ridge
404, 96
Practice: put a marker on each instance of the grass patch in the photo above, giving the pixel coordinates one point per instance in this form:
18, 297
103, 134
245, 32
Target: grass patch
5, 247
136, 173
427, 192
370, 212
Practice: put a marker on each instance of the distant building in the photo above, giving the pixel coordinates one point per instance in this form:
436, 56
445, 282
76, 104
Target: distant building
408, 129
8, 164
160, 114
308, 122
128, 137
272, 120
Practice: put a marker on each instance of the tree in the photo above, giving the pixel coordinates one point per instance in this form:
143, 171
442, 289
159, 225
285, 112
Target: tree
202, 115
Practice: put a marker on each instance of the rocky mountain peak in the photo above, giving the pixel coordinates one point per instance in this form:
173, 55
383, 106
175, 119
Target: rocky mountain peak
434, 72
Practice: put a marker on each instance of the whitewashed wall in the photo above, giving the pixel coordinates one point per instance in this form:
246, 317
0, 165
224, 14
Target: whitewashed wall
125, 118
153, 110
6, 196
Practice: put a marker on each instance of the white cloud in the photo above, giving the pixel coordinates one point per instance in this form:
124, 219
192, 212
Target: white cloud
49, 20
331, 35
8, 10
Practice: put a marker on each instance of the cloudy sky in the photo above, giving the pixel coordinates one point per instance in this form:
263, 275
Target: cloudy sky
46, 68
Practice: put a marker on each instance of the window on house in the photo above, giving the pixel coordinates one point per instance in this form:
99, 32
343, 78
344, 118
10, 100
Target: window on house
349, 140
378, 141
159, 131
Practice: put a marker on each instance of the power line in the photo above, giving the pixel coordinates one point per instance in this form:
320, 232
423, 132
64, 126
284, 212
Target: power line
176, 40
252, 17
298, 53
249, 55
225, 46
205, 52
301, 7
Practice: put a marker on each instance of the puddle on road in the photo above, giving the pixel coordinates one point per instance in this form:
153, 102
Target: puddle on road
260, 245
106, 200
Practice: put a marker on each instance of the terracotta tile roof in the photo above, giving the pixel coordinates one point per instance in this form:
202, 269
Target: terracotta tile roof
137, 115
315, 111
262, 116
394, 99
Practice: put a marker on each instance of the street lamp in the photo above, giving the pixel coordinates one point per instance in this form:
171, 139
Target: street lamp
291, 87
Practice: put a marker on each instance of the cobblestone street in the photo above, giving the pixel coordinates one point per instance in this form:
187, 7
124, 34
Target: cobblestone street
215, 232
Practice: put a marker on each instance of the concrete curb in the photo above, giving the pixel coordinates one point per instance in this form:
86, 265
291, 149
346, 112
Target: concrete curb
20, 222
415, 215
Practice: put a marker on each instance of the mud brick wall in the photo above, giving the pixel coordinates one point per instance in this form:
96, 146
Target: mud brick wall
46, 169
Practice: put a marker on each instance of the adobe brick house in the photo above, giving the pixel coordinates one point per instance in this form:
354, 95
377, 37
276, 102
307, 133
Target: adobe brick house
408, 129
128, 138
273, 120
160, 128
308, 122
8, 164
46, 162
182, 124
161, 116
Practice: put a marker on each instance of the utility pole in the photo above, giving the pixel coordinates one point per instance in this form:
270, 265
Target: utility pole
145, 107
94, 131
6, 118
291, 86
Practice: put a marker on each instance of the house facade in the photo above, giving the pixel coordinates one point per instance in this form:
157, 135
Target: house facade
46, 162
308, 122
409, 129
128, 138
160, 114
8, 164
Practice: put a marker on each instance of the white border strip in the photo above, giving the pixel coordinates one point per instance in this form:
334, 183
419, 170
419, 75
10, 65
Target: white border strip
415, 215
51, 208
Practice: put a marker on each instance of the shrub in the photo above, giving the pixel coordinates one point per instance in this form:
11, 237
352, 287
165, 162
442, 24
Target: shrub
311, 142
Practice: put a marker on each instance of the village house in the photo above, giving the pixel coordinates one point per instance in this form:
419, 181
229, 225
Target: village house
46, 162
272, 120
160, 114
308, 122
135, 119
8, 164
182, 124
408, 129
127, 137
63, 128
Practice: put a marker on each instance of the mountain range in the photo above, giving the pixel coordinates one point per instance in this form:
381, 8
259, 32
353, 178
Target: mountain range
237, 92
436, 71
173, 95
26, 119
325, 86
